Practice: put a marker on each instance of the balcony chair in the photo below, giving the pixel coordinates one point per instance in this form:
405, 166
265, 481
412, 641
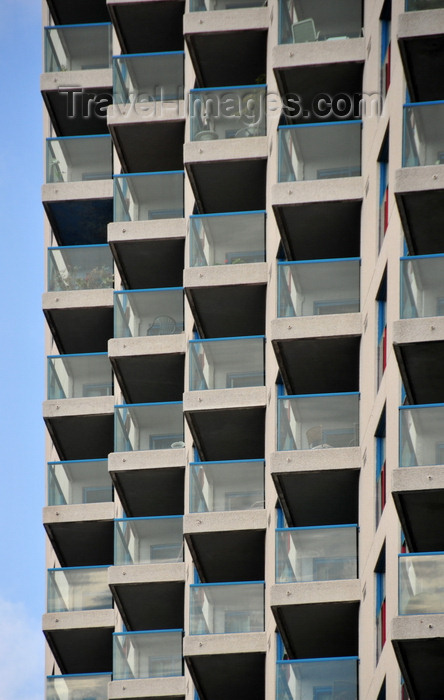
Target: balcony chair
162, 325
304, 31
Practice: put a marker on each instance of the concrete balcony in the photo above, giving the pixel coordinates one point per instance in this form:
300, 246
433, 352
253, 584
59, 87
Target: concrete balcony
419, 192
418, 345
418, 493
130, 19
306, 211
81, 428
149, 482
77, 11
421, 43
227, 546
81, 535
148, 253
333, 475
227, 47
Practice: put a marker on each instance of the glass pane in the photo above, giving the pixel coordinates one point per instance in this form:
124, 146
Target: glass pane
148, 540
148, 197
76, 376
316, 554
319, 151
423, 134
149, 427
150, 312
77, 47
228, 113
322, 21
80, 267
415, 5
148, 77
227, 239
78, 687
421, 580
147, 655
226, 486
226, 608
78, 158
226, 364
80, 588
318, 422
210, 5
318, 288
422, 286
82, 481
317, 679
421, 436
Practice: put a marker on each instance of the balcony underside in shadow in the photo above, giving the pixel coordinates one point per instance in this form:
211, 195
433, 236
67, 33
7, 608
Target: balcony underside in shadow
236, 676
228, 58
423, 61
146, 490
420, 198
420, 661
319, 365
418, 493
150, 606
80, 330
84, 650
228, 186
422, 370
319, 629
82, 543
236, 433
341, 220
80, 221
78, 11
164, 19
226, 312
148, 262
82, 437
336, 502
150, 378
228, 556
81, 112
127, 139
307, 82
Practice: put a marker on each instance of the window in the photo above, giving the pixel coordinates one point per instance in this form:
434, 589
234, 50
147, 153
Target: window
382, 328
381, 615
381, 474
383, 190
385, 18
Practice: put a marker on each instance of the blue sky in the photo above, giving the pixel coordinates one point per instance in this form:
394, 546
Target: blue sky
22, 578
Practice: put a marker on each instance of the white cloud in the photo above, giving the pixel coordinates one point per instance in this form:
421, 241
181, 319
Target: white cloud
21, 654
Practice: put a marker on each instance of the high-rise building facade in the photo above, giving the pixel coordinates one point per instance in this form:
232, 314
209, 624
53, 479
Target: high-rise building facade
245, 303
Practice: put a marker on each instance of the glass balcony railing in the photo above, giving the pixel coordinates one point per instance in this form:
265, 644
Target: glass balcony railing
78, 588
77, 376
210, 5
318, 678
421, 583
226, 608
227, 239
148, 312
78, 686
318, 287
417, 5
79, 481
227, 363
422, 286
319, 151
148, 196
300, 22
147, 654
77, 47
156, 540
149, 426
80, 267
423, 142
421, 439
226, 486
228, 113
318, 421
148, 77
78, 158
327, 553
